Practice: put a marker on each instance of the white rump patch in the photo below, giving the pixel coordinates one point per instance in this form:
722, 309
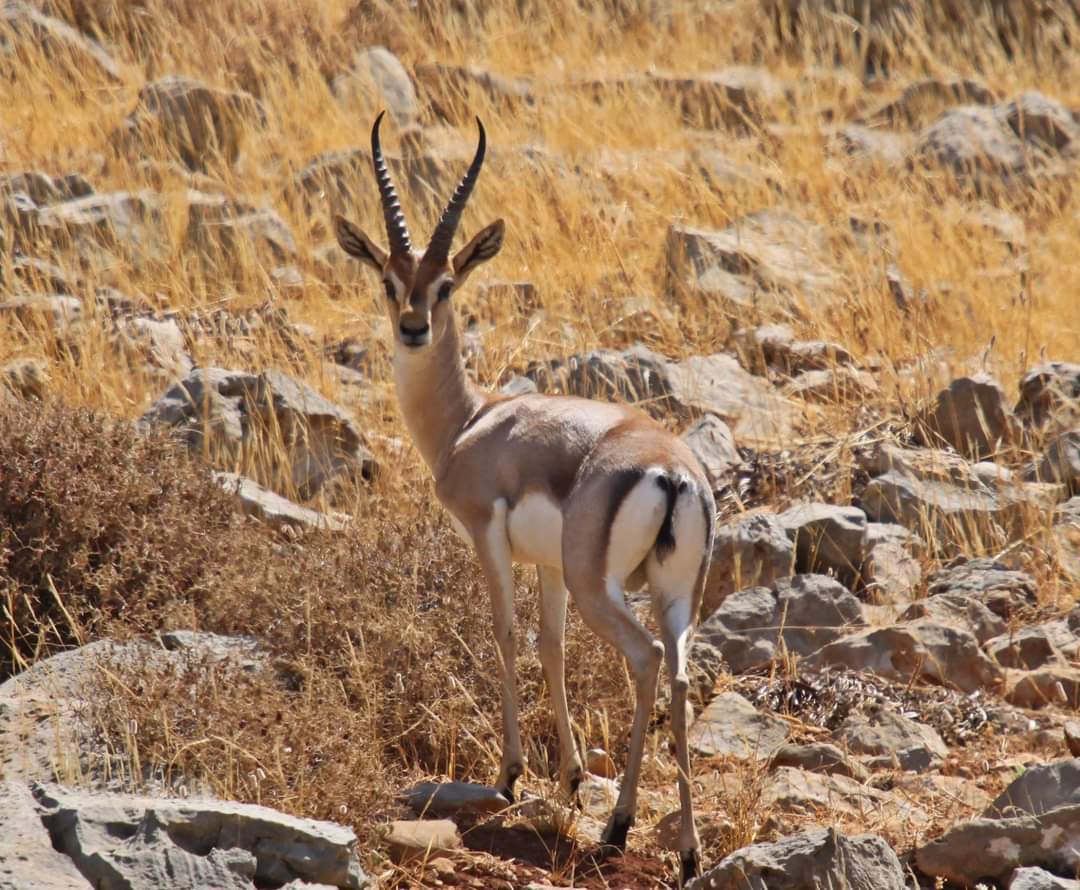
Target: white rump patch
637, 523
535, 528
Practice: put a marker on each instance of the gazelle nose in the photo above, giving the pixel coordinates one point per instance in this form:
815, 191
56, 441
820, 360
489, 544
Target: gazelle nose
414, 336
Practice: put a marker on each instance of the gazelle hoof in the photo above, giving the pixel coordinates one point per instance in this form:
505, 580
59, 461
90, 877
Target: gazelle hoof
614, 836
689, 866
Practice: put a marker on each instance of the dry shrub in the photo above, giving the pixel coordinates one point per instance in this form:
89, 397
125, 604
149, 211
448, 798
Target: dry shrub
385, 669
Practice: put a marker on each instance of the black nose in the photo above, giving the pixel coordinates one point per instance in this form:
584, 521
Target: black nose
414, 335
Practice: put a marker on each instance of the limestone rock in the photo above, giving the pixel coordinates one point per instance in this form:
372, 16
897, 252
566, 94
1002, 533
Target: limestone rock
805, 611
957, 610
57, 313
892, 740
923, 101
1053, 685
820, 857
890, 572
197, 121
126, 221
753, 551
732, 727
123, 841
43, 189
1072, 737
1042, 121
1039, 879
827, 538
1060, 462
989, 849
711, 441
153, 346
934, 652
1050, 397
800, 793
27, 857
770, 262
972, 416
975, 146
819, 757
1026, 648
57, 40
1038, 790
833, 386
425, 839
377, 79
1004, 591
226, 410
448, 88
273, 509
449, 798
220, 230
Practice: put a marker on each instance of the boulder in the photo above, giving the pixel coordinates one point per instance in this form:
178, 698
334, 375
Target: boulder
771, 263
1006, 592
752, 551
1066, 536
43, 189
892, 741
1060, 462
1053, 685
973, 144
27, 857
1038, 790
805, 611
225, 412
130, 841
635, 375
1042, 122
1039, 879
712, 443
128, 221
972, 416
873, 145
819, 757
921, 649
221, 230
448, 88
923, 101
273, 509
985, 850
820, 857
1026, 648
799, 793
957, 610
154, 347
377, 79
890, 572
57, 313
827, 538
773, 347
732, 727
67, 49
197, 121
1050, 397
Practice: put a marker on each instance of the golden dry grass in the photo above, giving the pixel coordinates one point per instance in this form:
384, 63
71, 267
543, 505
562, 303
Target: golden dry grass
387, 683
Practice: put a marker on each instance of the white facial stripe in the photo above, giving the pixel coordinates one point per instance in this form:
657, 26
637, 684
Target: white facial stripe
433, 288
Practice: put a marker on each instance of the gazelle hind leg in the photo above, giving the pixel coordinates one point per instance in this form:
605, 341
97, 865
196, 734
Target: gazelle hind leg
553, 596
493, 550
674, 585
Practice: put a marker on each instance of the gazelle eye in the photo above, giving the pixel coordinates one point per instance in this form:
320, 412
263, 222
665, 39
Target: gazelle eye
391, 294
444, 290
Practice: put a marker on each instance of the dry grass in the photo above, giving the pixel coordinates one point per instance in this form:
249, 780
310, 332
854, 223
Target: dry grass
384, 669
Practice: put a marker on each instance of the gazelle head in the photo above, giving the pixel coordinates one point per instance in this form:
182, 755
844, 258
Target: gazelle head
418, 285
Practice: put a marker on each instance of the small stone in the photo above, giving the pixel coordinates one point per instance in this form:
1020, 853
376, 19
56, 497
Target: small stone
429, 838
712, 443
819, 757
750, 552
972, 416
892, 740
1040, 879
599, 763
451, 798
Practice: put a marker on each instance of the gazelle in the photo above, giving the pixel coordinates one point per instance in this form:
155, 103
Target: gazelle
599, 497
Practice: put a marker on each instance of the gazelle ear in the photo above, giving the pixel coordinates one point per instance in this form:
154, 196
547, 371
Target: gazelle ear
484, 245
356, 244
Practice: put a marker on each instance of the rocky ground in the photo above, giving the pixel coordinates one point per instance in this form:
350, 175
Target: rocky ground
241, 650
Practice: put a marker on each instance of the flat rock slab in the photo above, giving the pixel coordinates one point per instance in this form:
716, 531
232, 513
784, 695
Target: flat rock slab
732, 727
27, 857
893, 741
127, 841
1040, 879
795, 791
821, 857
989, 849
450, 798
819, 757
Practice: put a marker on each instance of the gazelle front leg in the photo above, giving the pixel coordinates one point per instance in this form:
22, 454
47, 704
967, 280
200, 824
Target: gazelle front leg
493, 550
553, 597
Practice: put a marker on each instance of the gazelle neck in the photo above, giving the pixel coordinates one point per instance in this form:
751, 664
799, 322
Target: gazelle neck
437, 399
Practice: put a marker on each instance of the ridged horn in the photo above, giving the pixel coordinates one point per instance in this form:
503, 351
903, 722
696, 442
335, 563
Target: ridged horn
439, 248
396, 229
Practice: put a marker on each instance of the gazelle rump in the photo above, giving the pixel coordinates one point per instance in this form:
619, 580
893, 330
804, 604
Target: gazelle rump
598, 496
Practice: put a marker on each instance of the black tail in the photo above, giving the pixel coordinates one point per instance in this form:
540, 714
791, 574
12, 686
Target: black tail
665, 538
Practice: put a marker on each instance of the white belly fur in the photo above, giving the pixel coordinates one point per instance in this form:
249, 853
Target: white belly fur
535, 531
